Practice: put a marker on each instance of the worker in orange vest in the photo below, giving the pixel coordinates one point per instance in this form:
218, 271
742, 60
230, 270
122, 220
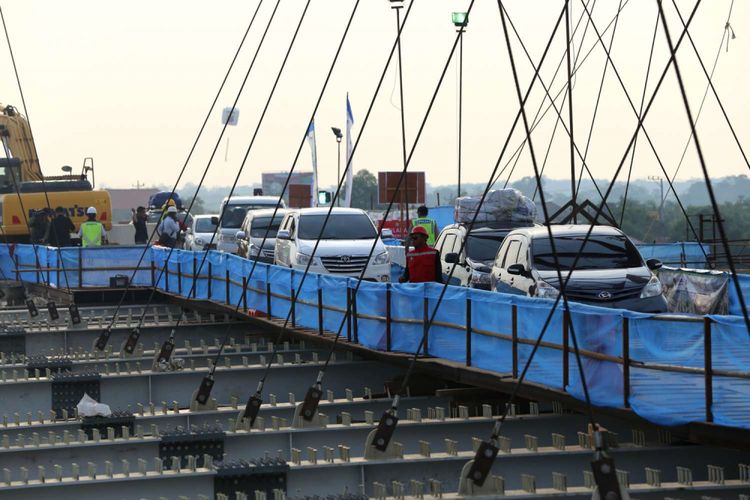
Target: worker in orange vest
423, 261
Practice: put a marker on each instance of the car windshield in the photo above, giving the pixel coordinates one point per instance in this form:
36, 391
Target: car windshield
600, 252
204, 225
234, 214
483, 247
262, 224
339, 227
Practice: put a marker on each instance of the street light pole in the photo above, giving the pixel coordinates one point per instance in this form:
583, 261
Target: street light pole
337, 132
658, 178
460, 21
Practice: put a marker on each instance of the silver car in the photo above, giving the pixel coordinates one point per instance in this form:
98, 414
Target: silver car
199, 233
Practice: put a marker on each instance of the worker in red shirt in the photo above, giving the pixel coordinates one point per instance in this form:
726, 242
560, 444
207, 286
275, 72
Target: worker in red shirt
422, 262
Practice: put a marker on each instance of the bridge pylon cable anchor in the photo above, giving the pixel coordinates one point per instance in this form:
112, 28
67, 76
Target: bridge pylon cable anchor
252, 407
607, 486
201, 399
31, 306
130, 345
165, 353
54, 315
75, 314
306, 413
378, 443
101, 342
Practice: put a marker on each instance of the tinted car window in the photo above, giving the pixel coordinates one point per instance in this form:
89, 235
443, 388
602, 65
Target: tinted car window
234, 213
512, 255
260, 225
339, 227
600, 252
483, 247
203, 225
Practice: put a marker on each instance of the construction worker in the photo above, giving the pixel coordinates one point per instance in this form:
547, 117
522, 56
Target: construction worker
169, 228
427, 223
92, 232
423, 261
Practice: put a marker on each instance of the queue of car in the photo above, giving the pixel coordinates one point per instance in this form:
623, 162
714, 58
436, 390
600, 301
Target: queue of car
609, 271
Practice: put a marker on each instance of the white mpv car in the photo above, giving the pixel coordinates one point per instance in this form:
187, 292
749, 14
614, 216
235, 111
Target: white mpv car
344, 245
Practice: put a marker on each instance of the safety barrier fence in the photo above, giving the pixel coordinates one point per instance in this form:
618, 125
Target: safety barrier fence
669, 369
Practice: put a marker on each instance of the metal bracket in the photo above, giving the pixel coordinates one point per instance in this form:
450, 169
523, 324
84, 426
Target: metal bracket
204, 391
52, 310
33, 312
384, 432
75, 314
166, 351
101, 342
132, 341
310, 405
480, 467
252, 408
605, 473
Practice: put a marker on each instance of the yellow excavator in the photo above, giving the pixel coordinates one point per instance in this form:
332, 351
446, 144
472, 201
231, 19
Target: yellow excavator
24, 189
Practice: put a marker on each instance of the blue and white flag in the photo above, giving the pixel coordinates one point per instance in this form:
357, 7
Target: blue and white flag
314, 150
349, 165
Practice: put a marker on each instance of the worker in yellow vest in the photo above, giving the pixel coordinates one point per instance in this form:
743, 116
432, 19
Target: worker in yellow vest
427, 223
92, 232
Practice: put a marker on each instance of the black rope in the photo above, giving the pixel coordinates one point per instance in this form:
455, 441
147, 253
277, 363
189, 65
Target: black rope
207, 380
599, 97
538, 178
31, 134
187, 159
289, 175
640, 111
572, 145
558, 112
600, 207
711, 84
702, 160
645, 132
164, 269
536, 121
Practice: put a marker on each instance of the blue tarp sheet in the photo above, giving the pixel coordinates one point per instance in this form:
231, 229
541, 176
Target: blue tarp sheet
680, 254
667, 398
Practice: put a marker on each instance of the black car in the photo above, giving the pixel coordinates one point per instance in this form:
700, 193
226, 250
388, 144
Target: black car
609, 273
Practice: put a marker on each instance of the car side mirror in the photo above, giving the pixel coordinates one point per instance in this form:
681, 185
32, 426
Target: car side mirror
215, 220
386, 233
516, 269
451, 258
283, 234
654, 264
239, 235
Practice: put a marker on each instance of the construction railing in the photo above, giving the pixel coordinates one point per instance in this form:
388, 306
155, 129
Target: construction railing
670, 369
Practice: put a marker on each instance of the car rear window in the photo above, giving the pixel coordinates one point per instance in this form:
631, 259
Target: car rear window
339, 227
483, 247
260, 225
204, 225
600, 252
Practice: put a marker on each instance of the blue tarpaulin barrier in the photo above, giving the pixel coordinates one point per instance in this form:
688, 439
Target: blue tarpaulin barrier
659, 395
681, 254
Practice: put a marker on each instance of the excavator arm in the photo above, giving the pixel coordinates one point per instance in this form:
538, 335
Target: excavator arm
16, 135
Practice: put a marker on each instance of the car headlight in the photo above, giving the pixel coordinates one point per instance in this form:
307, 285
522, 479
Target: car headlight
652, 288
381, 259
480, 278
546, 291
304, 260
199, 241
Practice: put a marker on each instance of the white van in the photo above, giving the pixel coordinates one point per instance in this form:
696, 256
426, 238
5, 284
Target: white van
344, 245
235, 209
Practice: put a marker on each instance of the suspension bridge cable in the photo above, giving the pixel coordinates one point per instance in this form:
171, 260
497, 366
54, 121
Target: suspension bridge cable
557, 111
598, 98
711, 84
536, 122
255, 400
640, 111
421, 345
702, 160
188, 158
599, 209
207, 383
31, 133
645, 132
132, 340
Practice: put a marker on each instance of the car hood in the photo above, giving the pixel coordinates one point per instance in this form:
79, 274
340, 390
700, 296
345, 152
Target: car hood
598, 280
270, 242
328, 248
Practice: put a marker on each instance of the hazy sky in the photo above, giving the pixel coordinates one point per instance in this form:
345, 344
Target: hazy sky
130, 82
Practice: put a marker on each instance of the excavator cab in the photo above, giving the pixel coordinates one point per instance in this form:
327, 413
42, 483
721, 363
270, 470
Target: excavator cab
10, 175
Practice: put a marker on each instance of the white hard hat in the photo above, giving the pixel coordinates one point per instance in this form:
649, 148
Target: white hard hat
172, 209
91, 211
